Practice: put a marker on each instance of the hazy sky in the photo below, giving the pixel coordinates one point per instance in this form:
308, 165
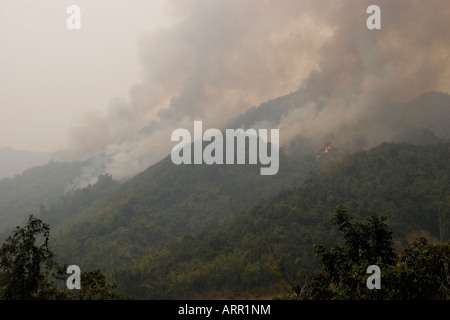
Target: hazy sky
50, 77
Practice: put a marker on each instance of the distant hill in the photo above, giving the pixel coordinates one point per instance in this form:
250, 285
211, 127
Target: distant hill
411, 184
14, 162
429, 111
268, 113
43, 187
23, 194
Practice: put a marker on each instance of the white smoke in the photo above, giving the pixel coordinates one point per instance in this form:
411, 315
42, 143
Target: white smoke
223, 57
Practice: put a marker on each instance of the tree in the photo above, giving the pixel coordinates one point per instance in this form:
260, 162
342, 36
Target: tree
28, 269
344, 266
94, 287
421, 271
27, 266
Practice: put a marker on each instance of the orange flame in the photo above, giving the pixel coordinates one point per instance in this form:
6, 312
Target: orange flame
327, 149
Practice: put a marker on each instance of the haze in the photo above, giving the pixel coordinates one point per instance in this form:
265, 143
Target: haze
52, 77
134, 73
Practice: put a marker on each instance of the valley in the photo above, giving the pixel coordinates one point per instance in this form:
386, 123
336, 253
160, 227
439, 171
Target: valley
211, 231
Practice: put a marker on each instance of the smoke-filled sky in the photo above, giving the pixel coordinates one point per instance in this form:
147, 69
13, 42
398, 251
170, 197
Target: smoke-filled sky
137, 70
51, 78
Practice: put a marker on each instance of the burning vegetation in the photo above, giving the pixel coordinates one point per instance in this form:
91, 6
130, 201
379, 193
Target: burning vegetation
325, 151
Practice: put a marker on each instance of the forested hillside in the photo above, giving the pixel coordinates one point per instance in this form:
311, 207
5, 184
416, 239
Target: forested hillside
67, 208
204, 231
166, 202
23, 194
56, 192
410, 184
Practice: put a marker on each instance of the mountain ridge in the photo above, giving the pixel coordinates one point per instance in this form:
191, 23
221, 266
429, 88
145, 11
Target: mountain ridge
411, 184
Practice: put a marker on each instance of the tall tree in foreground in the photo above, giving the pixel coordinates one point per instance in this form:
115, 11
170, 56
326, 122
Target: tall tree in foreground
28, 269
27, 266
344, 266
421, 271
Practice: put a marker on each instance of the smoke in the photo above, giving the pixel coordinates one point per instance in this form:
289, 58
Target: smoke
220, 58
90, 170
364, 72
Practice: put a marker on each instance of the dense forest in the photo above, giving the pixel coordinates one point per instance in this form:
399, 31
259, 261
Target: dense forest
166, 202
29, 270
410, 184
162, 242
217, 231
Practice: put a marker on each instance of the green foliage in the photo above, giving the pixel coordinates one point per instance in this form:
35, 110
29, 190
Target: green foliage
67, 208
418, 272
187, 231
369, 242
205, 231
27, 264
28, 269
166, 202
422, 272
94, 286
410, 184
344, 266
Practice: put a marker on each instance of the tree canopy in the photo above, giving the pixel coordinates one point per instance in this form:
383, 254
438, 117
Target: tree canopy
28, 269
26, 263
418, 272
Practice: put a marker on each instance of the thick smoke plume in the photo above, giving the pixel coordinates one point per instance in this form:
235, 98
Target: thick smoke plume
363, 72
223, 57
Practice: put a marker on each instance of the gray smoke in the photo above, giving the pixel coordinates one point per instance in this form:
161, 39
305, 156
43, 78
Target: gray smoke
364, 72
223, 57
